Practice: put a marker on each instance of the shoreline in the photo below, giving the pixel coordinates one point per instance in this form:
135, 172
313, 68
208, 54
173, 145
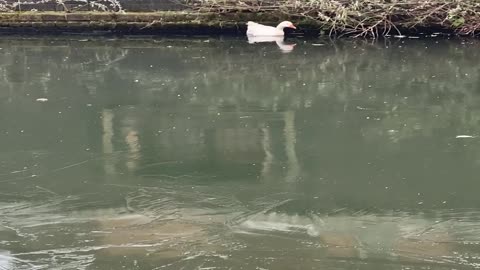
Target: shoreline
139, 23
159, 23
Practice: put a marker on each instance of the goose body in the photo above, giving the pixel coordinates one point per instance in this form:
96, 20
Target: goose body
257, 30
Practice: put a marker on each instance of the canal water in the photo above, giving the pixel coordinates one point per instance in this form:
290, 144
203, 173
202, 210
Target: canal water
217, 153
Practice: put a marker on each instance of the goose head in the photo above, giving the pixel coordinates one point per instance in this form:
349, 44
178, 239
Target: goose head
285, 24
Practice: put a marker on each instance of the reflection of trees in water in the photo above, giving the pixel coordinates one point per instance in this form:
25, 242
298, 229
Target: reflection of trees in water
388, 91
45, 69
249, 111
258, 74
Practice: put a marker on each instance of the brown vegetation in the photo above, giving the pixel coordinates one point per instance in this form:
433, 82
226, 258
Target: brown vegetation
366, 17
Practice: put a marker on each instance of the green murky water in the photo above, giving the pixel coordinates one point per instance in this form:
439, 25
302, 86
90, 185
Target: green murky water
220, 154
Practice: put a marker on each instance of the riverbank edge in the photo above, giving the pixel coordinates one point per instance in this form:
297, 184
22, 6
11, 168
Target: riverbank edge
163, 22
154, 23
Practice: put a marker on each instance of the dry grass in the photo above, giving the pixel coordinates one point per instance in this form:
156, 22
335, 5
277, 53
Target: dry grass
372, 18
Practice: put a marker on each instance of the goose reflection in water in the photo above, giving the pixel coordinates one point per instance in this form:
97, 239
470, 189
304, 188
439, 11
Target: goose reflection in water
284, 47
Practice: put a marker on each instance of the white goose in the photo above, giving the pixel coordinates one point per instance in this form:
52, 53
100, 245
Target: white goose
255, 29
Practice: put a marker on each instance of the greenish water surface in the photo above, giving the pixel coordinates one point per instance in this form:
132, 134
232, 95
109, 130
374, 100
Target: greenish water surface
211, 153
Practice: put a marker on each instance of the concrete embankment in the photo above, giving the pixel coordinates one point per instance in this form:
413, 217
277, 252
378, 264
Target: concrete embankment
164, 22
366, 18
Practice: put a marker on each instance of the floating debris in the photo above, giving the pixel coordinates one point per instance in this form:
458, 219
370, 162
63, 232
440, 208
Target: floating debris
42, 99
318, 44
362, 108
464, 136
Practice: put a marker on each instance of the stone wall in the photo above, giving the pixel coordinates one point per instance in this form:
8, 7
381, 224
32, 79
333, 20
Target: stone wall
148, 23
85, 5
